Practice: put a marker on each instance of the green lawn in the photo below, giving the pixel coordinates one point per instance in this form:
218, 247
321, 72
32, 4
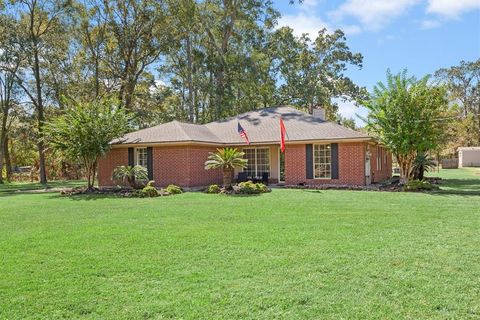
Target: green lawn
290, 254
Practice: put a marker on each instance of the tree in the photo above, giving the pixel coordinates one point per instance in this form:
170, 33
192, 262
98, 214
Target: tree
226, 159
85, 131
135, 31
312, 72
9, 89
43, 41
463, 84
406, 115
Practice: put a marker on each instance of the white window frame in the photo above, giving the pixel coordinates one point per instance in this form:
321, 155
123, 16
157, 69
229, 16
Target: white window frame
258, 172
318, 145
142, 151
379, 158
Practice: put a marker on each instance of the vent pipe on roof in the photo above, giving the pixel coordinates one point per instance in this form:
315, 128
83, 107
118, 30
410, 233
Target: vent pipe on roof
319, 112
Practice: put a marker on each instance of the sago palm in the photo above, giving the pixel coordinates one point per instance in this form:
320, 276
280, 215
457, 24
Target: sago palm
226, 159
423, 163
130, 174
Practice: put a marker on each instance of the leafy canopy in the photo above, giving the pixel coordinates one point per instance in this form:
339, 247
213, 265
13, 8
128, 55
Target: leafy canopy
85, 131
405, 114
226, 158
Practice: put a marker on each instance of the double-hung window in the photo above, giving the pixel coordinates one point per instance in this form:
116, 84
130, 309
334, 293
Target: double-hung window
322, 161
379, 158
258, 161
141, 157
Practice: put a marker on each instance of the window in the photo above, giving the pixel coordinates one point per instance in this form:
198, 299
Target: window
258, 161
379, 158
322, 161
141, 157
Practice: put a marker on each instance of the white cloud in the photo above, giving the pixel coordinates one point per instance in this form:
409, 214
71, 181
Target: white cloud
430, 24
348, 109
373, 14
351, 29
303, 23
452, 8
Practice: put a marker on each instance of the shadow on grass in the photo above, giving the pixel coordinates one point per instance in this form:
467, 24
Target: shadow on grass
461, 187
312, 191
88, 196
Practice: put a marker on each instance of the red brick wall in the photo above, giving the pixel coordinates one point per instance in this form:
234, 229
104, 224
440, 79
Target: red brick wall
351, 165
184, 166
180, 165
385, 172
115, 158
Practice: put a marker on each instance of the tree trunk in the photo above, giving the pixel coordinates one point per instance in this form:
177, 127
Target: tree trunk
1, 161
227, 178
2, 148
191, 111
406, 167
40, 116
6, 156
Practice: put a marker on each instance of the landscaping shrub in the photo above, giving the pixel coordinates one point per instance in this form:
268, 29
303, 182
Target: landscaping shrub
248, 187
214, 188
173, 189
419, 185
149, 190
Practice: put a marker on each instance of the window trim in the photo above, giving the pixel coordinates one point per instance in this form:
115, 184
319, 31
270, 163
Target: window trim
256, 161
136, 157
379, 158
313, 162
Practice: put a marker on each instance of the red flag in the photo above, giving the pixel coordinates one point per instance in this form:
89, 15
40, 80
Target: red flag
283, 132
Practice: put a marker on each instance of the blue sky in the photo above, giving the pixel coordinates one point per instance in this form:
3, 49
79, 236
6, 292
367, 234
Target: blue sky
420, 35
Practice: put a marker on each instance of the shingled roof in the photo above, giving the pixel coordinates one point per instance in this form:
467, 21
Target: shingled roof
262, 127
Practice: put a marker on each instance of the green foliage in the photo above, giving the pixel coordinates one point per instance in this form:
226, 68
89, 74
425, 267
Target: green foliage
423, 163
226, 159
312, 72
404, 115
214, 188
173, 189
463, 83
149, 190
130, 174
248, 187
419, 185
85, 131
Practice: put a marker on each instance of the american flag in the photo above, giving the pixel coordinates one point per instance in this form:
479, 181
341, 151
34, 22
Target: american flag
243, 133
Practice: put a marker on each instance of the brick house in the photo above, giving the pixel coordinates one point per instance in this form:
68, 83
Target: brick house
317, 151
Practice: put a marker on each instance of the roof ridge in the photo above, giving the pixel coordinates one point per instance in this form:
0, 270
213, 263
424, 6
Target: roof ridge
178, 125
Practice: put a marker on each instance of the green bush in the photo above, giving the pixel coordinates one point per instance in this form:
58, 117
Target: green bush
419, 185
173, 189
149, 190
214, 188
248, 187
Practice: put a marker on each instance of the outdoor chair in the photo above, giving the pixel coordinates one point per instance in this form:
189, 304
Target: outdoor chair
265, 177
242, 177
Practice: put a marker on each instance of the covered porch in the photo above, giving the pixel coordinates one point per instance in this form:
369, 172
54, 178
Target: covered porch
265, 163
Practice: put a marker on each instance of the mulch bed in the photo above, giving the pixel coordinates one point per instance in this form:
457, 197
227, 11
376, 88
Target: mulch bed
391, 185
120, 192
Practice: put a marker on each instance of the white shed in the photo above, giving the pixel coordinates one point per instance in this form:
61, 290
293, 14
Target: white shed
468, 157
